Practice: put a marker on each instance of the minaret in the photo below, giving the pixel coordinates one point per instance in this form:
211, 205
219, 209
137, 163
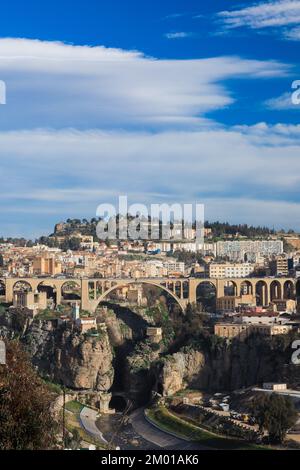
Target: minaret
76, 312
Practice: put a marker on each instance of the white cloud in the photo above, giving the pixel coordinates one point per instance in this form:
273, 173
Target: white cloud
268, 14
58, 85
239, 173
117, 122
283, 102
178, 35
293, 34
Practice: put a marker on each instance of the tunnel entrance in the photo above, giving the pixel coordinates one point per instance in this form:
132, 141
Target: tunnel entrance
118, 403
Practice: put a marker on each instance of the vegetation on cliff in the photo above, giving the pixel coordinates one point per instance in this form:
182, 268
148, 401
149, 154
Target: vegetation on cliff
25, 403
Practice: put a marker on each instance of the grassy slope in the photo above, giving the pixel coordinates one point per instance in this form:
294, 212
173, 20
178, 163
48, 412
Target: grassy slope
73, 409
170, 422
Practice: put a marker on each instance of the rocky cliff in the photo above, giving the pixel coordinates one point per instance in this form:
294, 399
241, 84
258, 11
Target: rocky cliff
61, 353
181, 370
228, 365
206, 362
66, 356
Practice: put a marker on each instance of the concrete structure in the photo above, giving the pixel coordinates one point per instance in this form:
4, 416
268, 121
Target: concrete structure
242, 330
284, 305
34, 301
76, 311
228, 303
242, 250
155, 334
276, 387
229, 270
104, 400
183, 290
45, 265
134, 295
279, 266
86, 323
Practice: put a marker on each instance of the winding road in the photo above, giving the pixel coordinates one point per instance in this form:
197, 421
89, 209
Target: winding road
160, 438
88, 418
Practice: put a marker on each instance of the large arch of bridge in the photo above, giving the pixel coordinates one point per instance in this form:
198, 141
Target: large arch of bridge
126, 283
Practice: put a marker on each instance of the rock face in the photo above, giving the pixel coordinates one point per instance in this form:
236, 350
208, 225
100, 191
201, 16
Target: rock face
206, 362
229, 366
181, 370
66, 356
140, 377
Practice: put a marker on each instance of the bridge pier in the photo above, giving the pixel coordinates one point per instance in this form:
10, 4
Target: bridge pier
9, 290
85, 301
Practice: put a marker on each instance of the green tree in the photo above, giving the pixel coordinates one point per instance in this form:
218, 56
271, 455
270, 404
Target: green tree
275, 414
26, 421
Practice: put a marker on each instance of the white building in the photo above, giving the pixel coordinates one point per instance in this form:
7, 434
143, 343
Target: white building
174, 266
230, 270
242, 250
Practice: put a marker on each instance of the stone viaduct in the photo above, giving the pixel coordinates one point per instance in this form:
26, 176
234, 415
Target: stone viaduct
183, 290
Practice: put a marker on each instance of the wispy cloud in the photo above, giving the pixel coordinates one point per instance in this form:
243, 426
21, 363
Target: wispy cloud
293, 34
281, 15
283, 102
71, 172
57, 85
179, 35
172, 16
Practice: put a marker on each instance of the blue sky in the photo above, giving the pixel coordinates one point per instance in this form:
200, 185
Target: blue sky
174, 101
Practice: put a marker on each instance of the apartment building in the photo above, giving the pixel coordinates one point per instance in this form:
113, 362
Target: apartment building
242, 330
46, 265
230, 270
279, 266
228, 303
243, 250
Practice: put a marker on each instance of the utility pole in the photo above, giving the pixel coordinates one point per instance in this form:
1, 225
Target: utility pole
122, 420
64, 417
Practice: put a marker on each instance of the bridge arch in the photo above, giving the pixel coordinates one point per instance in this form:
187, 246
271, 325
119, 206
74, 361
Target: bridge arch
119, 285
246, 288
2, 288
261, 292
230, 288
50, 288
275, 290
73, 283
288, 290
297, 288
23, 286
185, 289
206, 294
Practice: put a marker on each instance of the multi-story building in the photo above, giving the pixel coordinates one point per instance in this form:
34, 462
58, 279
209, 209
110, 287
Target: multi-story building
242, 330
46, 265
228, 303
33, 301
174, 267
279, 266
248, 250
230, 270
